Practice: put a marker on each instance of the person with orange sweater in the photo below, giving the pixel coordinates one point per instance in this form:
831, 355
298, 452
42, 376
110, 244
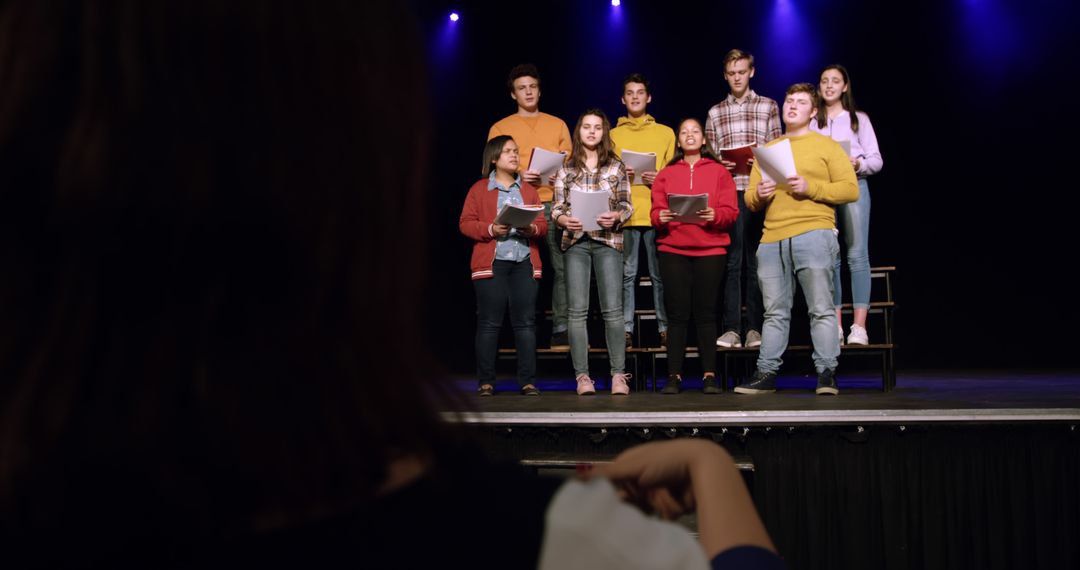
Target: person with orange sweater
531, 128
505, 264
693, 251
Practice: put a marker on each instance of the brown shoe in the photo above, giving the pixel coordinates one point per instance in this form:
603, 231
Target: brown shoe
629, 339
663, 339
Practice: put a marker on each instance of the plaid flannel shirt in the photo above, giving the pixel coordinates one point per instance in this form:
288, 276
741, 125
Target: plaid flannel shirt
611, 179
733, 124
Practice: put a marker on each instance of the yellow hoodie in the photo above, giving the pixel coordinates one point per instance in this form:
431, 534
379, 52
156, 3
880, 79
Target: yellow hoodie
643, 134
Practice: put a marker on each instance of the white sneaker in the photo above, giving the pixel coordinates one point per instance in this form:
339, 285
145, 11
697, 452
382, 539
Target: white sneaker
619, 387
858, 335
840, 332
585, 386
753, 339
729, 339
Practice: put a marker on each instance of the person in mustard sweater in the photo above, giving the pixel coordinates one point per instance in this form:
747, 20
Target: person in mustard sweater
639, 132
530, 129
799, 242
693, 252
505, 264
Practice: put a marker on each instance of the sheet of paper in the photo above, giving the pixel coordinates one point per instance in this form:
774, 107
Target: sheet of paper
776, 162
846, 145
640, 162
586, 206
545, 162
686, 206
518, 215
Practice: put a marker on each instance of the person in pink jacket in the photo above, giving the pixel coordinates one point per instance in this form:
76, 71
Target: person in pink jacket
693, 248
505, 264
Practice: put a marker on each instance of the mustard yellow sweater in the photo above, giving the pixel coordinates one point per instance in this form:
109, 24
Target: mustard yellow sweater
830, 181
543, 130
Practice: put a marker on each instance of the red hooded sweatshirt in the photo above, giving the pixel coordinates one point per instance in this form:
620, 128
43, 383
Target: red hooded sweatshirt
706, 176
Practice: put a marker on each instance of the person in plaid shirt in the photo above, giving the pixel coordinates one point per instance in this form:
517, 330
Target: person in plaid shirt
743, 118
593, 167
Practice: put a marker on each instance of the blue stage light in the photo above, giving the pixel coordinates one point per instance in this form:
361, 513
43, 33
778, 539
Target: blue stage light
453, 16
615, 3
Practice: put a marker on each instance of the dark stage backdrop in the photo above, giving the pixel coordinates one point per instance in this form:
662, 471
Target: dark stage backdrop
968, 98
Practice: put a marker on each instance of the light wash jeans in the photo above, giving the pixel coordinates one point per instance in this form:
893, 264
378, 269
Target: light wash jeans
558, 271
632, 236
810, 258
853, 219
581, 258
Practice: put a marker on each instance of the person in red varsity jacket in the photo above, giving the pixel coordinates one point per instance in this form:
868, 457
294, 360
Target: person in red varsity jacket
505, 264
693, 248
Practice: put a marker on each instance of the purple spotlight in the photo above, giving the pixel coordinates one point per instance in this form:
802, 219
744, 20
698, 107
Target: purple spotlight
453, 16
616, 3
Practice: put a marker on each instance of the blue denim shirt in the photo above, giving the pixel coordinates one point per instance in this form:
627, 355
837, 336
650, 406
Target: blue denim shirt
514, 247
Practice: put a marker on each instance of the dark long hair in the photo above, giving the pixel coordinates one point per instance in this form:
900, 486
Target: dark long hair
706, 152
492, 150
605, 151
203, 325
847, 99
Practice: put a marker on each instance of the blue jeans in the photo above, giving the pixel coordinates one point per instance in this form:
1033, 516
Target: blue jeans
558, 270
810, 258
513, 283
853, 219
581, 259
632, 236
745, 237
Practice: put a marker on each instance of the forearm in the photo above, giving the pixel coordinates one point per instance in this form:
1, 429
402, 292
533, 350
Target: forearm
726, 514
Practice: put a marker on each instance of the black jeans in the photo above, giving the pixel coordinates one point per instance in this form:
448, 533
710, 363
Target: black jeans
745, 237
513, 283
691, 286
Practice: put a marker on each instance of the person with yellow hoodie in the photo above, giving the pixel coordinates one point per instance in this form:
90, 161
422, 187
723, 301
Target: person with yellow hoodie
799, 242
639, 132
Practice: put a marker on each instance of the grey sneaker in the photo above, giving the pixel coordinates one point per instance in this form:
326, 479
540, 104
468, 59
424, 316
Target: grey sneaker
826, 383
753, 339
709, 385
759, 383
729, 339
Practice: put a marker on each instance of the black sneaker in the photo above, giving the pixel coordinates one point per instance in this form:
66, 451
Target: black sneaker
672, 385
530, 390
560, 340
759, 383
709, 385
826, 384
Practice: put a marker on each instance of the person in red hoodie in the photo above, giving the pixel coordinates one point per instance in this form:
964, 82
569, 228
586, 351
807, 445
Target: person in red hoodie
505, 264
693, 249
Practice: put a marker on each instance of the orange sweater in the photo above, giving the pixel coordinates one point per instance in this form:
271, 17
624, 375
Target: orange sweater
545, 131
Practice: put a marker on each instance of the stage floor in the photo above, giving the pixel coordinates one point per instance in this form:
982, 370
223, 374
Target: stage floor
920, 396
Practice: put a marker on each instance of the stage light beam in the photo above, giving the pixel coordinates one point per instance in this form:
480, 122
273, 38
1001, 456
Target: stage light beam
453, 16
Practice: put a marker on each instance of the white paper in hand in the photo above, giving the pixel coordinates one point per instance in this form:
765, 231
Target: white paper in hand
686, 206
776, 162
518, 215
545, 162
846, 145
641, 162
587, 206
